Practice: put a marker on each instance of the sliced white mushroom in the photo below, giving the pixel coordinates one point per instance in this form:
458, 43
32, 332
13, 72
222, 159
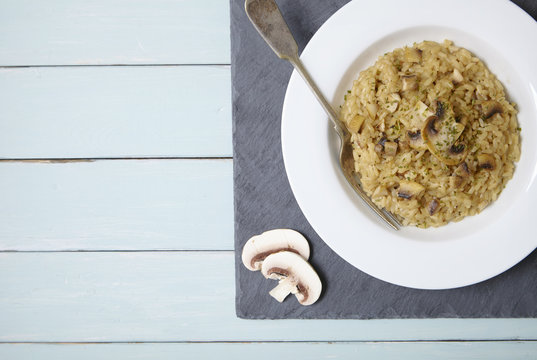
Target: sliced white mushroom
409, 189
258, 247
296, 276
461, 175
432, 206
462, 170
456, 77
489, 108
415, 140
410, 82
379, 148
486, 161
390, 148
356, 123
372, 110
441, 133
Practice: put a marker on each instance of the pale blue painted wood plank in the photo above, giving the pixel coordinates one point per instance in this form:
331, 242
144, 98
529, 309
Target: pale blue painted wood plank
64, 32
115, 112
116, 204
178, 296
270, 351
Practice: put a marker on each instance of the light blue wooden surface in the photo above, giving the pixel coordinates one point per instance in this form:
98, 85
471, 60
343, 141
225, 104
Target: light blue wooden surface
179, 296
118, 256
119, 204
95, 112
80, 32
270, 351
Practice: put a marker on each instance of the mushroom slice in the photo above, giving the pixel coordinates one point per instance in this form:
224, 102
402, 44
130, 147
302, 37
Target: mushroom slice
412, 55
415, 141
441, 133
379, 147
455, 181
432, 207
390, 148
296, 276
455, 154
462, 119
409, 189
456, 77
404, 144
462, 170
441, 108
489, 108
356, 123
258, 247
410, 82
460, 175
486, 161
372, 109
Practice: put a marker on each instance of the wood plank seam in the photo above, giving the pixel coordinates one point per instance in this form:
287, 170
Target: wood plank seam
71, 160
272, 342
120, 251
111, 65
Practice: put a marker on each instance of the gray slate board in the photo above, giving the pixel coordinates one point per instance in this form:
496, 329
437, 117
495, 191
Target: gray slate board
264, 201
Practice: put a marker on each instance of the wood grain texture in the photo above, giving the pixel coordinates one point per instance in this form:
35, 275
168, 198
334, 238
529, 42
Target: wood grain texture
270, 351
178, 296
146, 111
80, 112
116, 204
63, 32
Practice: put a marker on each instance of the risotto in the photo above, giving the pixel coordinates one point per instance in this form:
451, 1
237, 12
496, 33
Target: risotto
434, 137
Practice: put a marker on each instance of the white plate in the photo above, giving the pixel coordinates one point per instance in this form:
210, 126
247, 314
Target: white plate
458, 254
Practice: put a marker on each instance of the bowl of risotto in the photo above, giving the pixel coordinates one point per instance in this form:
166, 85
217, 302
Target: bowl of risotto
435, 139
443, 120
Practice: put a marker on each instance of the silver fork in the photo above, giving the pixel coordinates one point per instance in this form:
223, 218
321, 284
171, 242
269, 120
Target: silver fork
268, 20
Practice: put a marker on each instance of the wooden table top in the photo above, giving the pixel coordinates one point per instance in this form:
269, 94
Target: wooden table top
116, 200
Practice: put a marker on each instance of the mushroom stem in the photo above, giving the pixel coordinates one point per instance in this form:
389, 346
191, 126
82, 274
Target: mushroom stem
284, 288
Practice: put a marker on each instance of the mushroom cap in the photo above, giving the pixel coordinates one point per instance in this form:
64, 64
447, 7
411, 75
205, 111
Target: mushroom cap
290, 266
486, 161
258, 247
409, 189
490, 107
415, 140
443, 136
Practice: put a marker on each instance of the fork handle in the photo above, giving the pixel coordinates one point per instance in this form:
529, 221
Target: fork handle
268, 20
297, 64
